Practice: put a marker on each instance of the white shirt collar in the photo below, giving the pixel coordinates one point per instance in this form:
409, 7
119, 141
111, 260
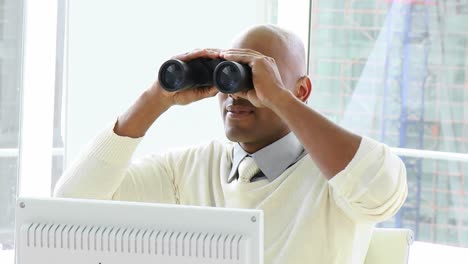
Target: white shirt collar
273, 159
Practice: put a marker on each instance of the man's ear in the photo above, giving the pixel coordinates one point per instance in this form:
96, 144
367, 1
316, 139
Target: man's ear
303, 88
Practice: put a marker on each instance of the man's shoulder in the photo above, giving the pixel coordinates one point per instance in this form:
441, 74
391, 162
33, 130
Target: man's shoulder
211, 145
214, 147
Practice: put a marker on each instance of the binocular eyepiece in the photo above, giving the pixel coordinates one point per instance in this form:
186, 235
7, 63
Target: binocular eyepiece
228, 76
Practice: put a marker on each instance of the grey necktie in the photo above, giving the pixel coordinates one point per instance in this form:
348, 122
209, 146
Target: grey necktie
247, 169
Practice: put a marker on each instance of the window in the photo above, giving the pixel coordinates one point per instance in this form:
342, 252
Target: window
10, 79
30, 118
31, 128
397, 71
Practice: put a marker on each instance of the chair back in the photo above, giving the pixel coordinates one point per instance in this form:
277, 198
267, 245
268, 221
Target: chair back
389, 246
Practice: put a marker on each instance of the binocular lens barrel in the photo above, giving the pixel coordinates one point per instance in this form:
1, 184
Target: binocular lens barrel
228, 76
173, 76
232, 77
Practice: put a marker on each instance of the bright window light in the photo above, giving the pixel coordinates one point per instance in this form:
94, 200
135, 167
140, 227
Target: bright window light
38, 97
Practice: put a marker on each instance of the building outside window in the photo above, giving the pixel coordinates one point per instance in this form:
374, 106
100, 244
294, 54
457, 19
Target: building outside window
397, 71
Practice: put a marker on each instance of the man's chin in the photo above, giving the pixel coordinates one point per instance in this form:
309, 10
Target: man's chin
238, 136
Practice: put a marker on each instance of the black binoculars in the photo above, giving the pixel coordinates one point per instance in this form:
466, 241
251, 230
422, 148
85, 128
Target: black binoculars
228, 76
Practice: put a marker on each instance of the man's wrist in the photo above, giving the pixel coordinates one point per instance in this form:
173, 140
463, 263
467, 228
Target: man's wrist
281, 100
142, 114
157, 98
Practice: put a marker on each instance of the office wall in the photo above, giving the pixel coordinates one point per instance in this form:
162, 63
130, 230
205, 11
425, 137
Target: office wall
115, 49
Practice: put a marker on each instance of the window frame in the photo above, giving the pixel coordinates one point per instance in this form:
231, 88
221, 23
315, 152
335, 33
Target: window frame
43, 46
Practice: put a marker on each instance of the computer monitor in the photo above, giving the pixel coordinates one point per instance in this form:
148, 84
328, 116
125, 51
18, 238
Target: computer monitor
78, 231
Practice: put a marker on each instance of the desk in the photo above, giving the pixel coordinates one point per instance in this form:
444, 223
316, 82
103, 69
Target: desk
420, 252
428, 253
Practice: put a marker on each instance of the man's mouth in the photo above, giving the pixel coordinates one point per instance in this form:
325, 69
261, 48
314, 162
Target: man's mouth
237, 111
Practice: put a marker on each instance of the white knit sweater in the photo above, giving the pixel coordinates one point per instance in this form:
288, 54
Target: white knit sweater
307, 218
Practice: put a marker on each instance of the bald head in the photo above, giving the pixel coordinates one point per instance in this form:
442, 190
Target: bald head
284, 46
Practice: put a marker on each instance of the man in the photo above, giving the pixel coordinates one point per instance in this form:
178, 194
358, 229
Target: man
321, 188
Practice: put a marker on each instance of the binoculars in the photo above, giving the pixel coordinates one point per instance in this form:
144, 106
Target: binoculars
228, 76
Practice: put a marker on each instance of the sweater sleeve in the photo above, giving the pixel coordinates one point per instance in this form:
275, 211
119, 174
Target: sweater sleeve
104, 170
373, 186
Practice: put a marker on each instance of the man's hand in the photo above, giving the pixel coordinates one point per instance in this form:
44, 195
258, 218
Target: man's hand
265, 76
187, 96
330, 146
155, 100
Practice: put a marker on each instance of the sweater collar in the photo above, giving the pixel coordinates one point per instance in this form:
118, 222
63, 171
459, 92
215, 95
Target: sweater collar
273, 159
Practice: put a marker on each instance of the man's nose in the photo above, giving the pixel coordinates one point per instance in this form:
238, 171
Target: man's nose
234, 96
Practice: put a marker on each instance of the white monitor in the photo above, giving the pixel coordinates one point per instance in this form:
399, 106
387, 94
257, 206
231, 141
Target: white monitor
76, 231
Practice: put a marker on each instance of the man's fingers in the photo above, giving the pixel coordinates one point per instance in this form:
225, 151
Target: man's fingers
240, 55
249, 51
204, 92
242, 58
214, 50
194, 94
242, 52
198, 53
212, 92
